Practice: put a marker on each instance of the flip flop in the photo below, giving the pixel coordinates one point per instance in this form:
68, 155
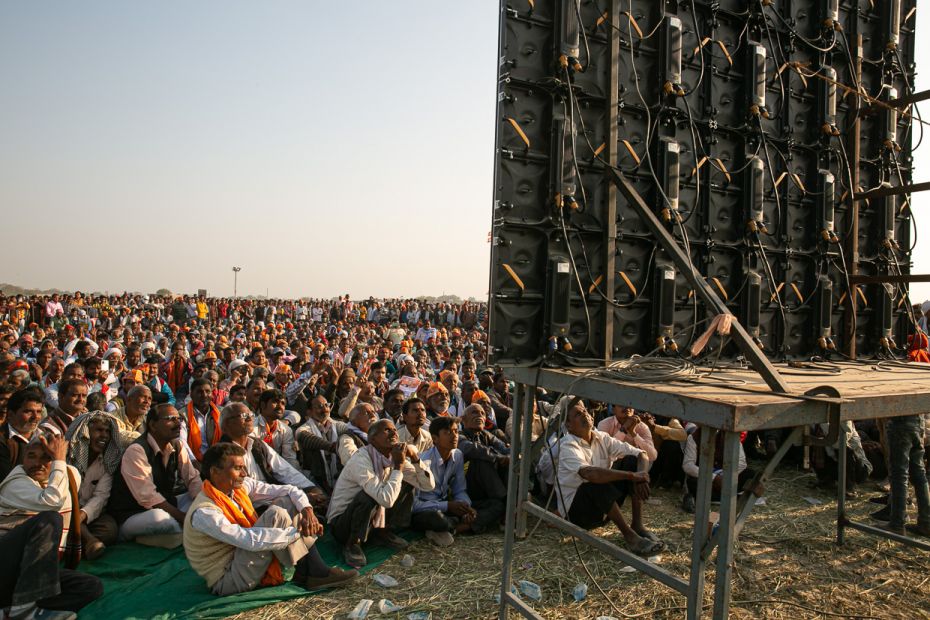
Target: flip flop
648, 535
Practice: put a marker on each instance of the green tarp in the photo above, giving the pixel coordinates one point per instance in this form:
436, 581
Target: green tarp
145, 582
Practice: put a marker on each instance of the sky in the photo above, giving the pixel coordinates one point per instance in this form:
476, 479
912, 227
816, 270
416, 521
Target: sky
324, 148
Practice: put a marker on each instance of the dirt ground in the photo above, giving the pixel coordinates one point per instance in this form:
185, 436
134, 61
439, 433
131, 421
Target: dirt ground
788, 566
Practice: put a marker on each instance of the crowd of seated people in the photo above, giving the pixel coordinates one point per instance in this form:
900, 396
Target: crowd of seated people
243, 432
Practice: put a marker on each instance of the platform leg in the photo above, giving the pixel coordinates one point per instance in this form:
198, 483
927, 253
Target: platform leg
726, 532
841, 488
526, 456
701, 517
510, 520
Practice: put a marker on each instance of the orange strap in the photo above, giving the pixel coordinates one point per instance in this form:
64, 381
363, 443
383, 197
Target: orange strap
242, 513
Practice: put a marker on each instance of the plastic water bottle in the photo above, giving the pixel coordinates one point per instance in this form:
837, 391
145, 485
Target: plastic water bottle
406, 561
530, 590
386, 607
580, 592
419, 615
361, 610
384, 580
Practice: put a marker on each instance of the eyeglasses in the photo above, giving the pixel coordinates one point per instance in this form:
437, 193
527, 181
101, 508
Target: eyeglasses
171, 418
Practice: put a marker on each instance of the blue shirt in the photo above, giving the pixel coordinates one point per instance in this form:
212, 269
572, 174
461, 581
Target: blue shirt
450, 481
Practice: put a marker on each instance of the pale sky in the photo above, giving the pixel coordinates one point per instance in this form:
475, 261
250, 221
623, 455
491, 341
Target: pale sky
325, 148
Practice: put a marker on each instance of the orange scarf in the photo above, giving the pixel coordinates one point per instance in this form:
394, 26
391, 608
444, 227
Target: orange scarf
270, 428
194, 440
174, 373
242, 513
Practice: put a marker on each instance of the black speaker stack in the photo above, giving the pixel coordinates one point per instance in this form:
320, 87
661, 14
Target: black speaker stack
767, 135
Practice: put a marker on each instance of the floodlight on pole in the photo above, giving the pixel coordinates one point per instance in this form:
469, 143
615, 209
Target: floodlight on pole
236, 271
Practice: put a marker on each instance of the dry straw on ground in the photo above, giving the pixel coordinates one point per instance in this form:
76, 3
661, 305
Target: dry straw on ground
788, 566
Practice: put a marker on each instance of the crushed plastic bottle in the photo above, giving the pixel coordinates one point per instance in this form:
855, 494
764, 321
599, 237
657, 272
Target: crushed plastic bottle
361, 610
419, 615
384, 580
386, 607
580, 592
530, 590
406, 561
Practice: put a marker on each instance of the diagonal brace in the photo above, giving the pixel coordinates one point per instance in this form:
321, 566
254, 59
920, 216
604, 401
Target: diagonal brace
738, 333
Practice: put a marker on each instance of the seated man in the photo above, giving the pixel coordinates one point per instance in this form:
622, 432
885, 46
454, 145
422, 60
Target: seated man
94, 452
318, 439
690, 466
131, 417
668, 437
32, 584
361, 417
261, 462
72, 401
200, 427
271, 427
486, 455
437, 400
414, 420
625, 425
588, 490
156, 482
434, 511
234, 549
374, 493
24, 412
393, 406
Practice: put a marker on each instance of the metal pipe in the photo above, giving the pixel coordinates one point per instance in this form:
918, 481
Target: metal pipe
510, 519
725, 531
852, 241
701, 521
841, 490
644, 566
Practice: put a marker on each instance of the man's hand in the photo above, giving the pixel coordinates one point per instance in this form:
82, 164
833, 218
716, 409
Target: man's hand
457, 508
55, 446
641, 489
307, 523
412, 453
630, 423
649, 421
399, 455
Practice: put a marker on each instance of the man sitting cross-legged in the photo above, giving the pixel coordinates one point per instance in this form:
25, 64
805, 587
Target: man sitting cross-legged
434, 511
588, 490
35, 504
234, 549
155, 483
374, 493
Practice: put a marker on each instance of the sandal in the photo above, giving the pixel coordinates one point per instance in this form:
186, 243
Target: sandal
644, 547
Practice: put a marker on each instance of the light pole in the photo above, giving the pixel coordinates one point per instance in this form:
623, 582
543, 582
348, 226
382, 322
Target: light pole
236, 271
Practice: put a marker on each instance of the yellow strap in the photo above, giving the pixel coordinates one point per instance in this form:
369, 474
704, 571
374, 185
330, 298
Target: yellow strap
626, 281
723, 169
594, 284
901, 301
601, 19
797, 292
700, 163
598, 150
701, 46
780, 178
532, 3
516, 127
798, 182
629, 147
725, 52
909, 15
633, 23
722, 290
862, 296
842, 299
516, 278
777, 291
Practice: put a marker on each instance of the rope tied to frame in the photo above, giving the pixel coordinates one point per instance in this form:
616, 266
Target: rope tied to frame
719, 325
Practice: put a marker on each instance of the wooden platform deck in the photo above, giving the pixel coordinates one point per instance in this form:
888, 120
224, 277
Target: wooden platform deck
738, 400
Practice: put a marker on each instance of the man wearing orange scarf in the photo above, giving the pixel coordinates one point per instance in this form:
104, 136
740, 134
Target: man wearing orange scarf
234, 549
201, 425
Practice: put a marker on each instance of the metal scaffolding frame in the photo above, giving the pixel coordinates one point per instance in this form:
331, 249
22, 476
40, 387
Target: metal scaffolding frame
715, 409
